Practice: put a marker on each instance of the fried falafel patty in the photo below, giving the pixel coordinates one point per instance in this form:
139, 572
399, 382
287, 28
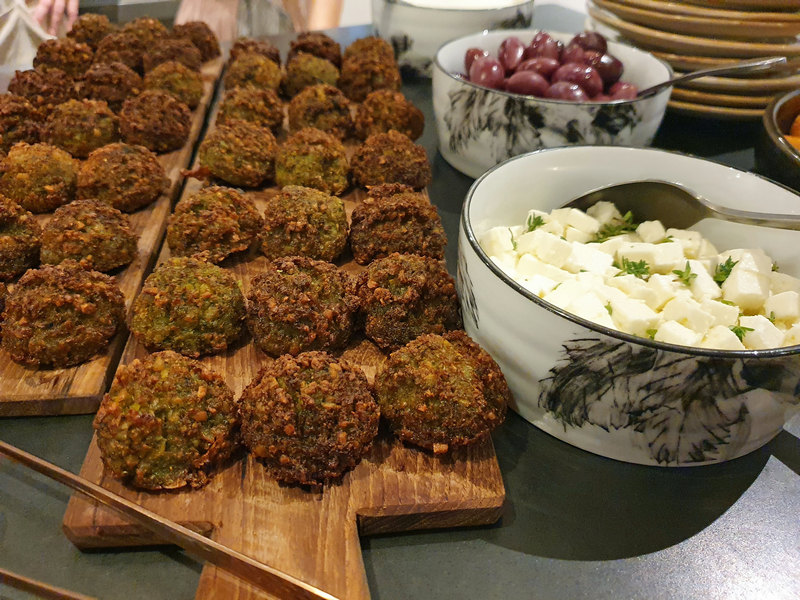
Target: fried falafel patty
200, 34
178, 50
300, 304
90, 232
147, 30
305, 70
361, 76
3, 295
112, 82
241, 153
44, 88
318, 44
262, 47
370, 46
166, 423
309, 418
121, 47
384, 110
156, 120
253, 70
61, 315
395, 218
189, 306
313, 158
258, 106
404, 296
20, 239
126, 177
176, 79
323, 107
215, 222
40, 177
391, 158
20, 121
66, 54
90, 28
80, 126
442, 391
301, 221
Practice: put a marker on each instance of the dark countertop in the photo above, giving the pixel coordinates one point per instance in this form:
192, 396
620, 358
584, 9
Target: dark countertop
576, 525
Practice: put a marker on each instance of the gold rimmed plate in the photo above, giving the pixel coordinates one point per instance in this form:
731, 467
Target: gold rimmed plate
763, 86
680, 8
731, 100
714, 112
757, 5
683, 62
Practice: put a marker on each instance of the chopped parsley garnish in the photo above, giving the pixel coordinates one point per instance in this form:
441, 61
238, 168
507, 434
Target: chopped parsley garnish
638, 268
686, 276
722, 271
740, 331
666, 240
615, 228
534, 222
513, 241
775, 267
608, 307
728, 302
651, 333
771, 317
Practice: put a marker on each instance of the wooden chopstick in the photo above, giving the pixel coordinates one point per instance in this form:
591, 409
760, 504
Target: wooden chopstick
43, 590
269, 578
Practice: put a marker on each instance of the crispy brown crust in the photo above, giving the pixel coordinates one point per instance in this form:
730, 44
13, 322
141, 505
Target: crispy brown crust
156, 120
318, 44
370, 46
147, 30
66, 54
179, 50
90, 29
20, 121
249, 69
391, 158
259, 106
81, 126
121, 47
262, 47
40, 177
313, 158
305, 70
201, 35
20, 237
384, 110
309, 418
111, 82
241, 153
360, 76
176, 79
321, 106
44, 88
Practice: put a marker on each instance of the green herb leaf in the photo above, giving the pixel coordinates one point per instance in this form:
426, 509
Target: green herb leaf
740, 330
513, 241
615, 228
771, 317
534, 222
722, 271
775, 267
686, 276
608, 307
638, 268
666, 240
651, 333
728, 302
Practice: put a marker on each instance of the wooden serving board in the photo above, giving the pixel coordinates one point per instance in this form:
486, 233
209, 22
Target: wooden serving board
76, 390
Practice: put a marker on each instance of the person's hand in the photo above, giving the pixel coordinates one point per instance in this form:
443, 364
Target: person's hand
53, 11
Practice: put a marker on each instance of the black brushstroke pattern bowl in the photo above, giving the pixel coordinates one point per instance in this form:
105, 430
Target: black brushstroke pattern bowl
611, 393
775, 156
480, 127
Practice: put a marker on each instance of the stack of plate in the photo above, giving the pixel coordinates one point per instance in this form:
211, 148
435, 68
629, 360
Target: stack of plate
697, 34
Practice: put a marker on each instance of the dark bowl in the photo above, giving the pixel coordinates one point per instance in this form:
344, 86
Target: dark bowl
775, 157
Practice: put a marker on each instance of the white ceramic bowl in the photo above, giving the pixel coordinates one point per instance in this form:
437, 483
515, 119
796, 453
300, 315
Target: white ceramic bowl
479, 127
416, 28
608, 392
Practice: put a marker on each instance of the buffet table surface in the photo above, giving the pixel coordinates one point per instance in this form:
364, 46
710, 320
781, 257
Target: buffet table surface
575, 526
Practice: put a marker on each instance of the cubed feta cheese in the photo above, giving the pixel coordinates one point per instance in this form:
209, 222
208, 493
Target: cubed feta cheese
783, 307
496, 241
781, 282
545, 246
633, 316
665, 289
529, 265
550, 225
507, 261
689, 313
792, 336
746, 288
585, 257
516, 231
576, 235
763, 335
651, 232
724, 314
611, 245
572, 217
606, 293
590, 307
661, 258
563, 295
707, 251
604, 212
753, 259
672, 332
689, 240
703, 286
722, 338
537, 284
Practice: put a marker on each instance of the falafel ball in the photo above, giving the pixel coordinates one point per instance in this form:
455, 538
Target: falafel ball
302, 221
156, 120
391, 158
259, 106
309, 418
61, 315
66, 54
404, 296
121, 47
20, 121
44, 88
189, 306
318, 44
215, 222
166, 423
178, 50
80, 126
384, 110
324, 107
90, 28
20, 237
200, 34
361, 76
300, 304
147, 30
241, 153
90, 232
442, 391
176, 79
305, 70
370, 46
249, 45
395, 218
313, 158
123, 176
40, 177
253, 70
3, 294
111, 82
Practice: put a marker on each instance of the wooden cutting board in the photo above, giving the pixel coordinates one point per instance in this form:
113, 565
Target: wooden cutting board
76, 390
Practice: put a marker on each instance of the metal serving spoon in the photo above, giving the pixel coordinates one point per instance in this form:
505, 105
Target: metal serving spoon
675, 206
747, 66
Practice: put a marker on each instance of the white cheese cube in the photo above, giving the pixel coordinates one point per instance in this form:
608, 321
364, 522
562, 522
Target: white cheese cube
528, 266
673, 332
562, 295
576, 235
746, 288
537, 284
606, 293
661, 258
781, 282
507, 261
651, 231
633, 316
792, 337
751, 259
722, 338
707, 251
550, 225
724, 314
763, 335
703, 286
545, 246
783, 307
689, 313
689, 240
586, 257
611, 245
590, 307
665, 289
604, 212
572, 217
496, 241
516, 231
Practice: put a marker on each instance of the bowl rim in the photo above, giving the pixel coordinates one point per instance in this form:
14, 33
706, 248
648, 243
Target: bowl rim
437, 65
770, 124
445, 9
627, 337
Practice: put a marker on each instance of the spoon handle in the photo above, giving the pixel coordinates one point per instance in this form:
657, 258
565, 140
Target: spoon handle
746, 217
759, 64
